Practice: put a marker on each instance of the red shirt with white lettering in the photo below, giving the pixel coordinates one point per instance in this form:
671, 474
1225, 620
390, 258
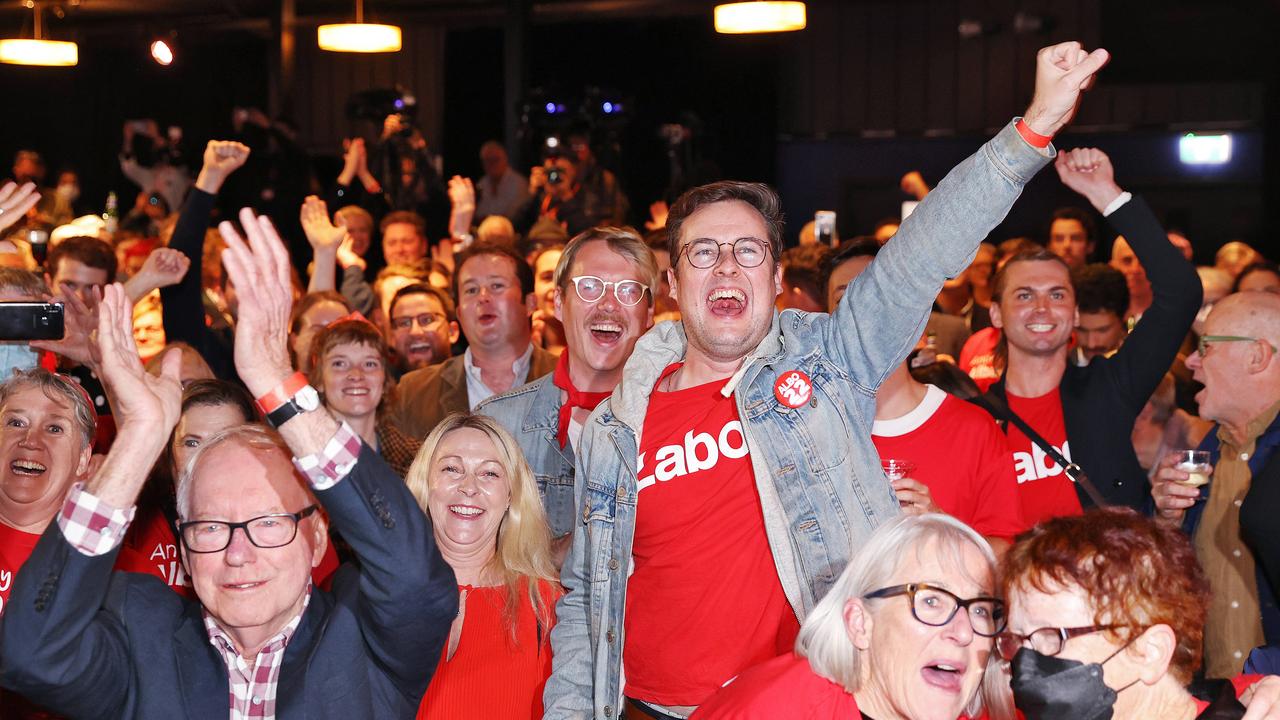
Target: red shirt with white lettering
15, 547
704, 601
978, 357
1045, 489
963, 458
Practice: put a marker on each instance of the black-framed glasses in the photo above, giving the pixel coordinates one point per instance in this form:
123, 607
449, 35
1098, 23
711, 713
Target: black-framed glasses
427, 320
704, 253
1207, 340
591, 288
936, 606
266, 531
1046, 640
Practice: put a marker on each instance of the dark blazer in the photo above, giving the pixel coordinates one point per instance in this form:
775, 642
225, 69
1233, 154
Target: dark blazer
427, 395
1101, 401
90, 643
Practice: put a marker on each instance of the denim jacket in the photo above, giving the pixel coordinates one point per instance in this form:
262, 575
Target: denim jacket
821, 486
531, 413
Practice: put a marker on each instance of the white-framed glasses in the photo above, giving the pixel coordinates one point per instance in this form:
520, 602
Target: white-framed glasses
591, 288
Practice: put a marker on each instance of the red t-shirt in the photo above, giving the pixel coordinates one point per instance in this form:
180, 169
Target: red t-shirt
704, 600
978, 357
151, 536
15, 548
961, 455
1045, 489
785, 687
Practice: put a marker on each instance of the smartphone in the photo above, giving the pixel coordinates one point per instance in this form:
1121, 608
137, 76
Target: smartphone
31, 321
824, 226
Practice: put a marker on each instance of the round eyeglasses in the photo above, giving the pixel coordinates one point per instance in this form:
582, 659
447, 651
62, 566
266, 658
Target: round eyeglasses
591, 288
1046, 641
935, 606
704, 253
265, 531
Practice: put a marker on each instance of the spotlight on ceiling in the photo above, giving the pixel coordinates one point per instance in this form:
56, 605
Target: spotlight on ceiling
162, 51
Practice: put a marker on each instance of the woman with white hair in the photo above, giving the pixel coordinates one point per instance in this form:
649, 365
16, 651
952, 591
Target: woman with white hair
472, 480
905, 632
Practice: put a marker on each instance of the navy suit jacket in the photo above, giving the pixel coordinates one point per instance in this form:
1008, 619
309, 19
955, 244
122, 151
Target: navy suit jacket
90, 643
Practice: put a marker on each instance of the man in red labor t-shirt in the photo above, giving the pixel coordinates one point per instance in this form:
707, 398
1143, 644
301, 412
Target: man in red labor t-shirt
1085, 413
729, 475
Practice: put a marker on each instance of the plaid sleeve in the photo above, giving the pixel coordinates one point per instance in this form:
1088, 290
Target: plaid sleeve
329, 466
90, 525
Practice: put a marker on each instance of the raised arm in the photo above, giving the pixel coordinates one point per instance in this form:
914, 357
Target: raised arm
325, 237
15, 201
183, 302
164, 267
881, 316
1138, 367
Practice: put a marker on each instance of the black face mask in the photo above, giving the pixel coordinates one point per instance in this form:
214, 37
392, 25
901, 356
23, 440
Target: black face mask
1052, 688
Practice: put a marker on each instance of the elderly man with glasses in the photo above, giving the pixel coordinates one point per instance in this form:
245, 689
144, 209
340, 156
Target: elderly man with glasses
1232, 518
260, 641
605, 284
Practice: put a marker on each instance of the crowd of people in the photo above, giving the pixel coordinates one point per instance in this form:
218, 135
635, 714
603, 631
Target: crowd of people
922, 473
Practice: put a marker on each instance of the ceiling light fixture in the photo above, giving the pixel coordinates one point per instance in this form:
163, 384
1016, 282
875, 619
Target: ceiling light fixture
38, 51
360, 36
759, 16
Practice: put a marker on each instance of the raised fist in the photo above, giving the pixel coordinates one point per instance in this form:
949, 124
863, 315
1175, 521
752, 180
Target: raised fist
1063, 72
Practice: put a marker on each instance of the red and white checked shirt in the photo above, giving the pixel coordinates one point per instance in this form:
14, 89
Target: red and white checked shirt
94, 528
253, 688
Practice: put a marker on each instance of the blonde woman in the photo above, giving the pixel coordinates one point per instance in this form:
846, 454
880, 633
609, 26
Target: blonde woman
473, 481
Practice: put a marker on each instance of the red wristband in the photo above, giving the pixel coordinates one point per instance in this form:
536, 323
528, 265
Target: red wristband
1033, 138
270, 402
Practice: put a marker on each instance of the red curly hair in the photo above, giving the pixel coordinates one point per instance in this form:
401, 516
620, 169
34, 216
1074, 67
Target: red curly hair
1137, 573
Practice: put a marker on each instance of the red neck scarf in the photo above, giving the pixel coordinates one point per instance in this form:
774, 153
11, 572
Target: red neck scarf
577, 398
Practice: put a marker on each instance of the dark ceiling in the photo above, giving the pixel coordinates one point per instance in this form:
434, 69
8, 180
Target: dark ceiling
97, 17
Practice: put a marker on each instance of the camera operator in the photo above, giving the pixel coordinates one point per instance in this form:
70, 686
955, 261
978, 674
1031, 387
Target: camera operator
154, 162
407, 172
556, 193
601, 184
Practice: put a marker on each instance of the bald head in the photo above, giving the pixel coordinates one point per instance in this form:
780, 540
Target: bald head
1239, 363
1249, 314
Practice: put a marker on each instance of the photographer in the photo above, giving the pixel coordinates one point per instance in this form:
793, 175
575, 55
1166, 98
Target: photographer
556, 193
154, 162
407, 173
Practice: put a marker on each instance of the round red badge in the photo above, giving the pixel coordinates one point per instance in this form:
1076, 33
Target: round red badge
793, 388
